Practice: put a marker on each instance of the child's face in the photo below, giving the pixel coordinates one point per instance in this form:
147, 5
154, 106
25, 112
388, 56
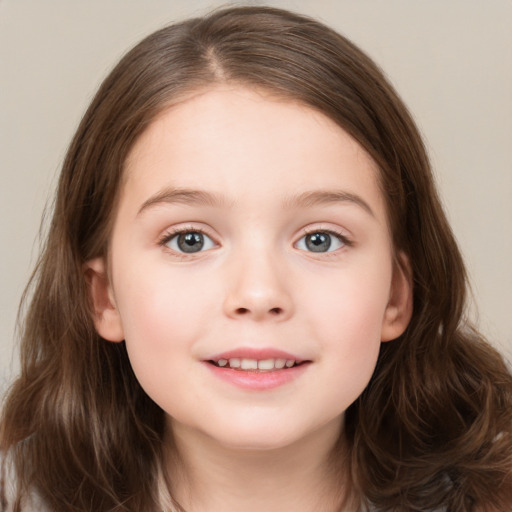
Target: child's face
284, 254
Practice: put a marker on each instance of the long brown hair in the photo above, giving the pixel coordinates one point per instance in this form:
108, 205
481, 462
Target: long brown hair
432, 429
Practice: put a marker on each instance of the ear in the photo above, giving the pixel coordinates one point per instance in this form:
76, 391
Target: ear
399, 309
104, 311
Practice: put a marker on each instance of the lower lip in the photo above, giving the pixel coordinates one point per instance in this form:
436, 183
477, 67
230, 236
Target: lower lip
258, 381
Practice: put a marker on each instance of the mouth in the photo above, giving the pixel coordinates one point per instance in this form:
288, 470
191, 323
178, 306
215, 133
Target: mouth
256, 370
256, 365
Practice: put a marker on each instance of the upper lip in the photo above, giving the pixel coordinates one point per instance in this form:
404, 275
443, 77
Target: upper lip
256, 353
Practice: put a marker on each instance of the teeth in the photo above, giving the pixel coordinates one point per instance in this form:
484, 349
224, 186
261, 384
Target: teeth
255, 364
249, 364
266, 364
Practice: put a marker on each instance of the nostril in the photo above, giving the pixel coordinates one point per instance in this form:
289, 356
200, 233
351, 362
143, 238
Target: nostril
245, 311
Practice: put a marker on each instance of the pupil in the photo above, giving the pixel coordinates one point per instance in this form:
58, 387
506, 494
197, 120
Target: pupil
318, 242
191, 242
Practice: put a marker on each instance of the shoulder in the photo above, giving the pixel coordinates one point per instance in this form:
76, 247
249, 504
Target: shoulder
8, 485
9, 489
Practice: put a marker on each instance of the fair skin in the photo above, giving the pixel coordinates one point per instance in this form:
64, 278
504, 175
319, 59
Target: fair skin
288, 258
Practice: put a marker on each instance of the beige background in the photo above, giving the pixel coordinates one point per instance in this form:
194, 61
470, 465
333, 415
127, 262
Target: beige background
451, 60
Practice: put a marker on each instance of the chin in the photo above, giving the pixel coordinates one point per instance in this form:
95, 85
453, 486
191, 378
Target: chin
269, 436
246, 434
252, 429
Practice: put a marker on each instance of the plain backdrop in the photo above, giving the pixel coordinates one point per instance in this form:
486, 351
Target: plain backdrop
451, 61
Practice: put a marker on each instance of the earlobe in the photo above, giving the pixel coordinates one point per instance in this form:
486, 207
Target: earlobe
400, 306
104, 311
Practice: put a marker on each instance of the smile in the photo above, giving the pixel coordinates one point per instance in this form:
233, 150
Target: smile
261, 369
260, 365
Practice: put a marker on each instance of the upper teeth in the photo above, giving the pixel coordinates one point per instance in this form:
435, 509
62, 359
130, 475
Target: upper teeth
256, 364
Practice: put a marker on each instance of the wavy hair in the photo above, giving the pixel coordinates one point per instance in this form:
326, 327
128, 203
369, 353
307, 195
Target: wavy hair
433, 427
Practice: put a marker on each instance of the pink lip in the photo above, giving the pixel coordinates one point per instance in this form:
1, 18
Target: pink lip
256, 353
253, 379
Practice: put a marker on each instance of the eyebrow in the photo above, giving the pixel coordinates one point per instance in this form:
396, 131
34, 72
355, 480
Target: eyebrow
303, 200
321, 197
183, 196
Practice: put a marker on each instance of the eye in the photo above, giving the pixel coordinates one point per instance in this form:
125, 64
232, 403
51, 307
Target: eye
188, 242
321, 241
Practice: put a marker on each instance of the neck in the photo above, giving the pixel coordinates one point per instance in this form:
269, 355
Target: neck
303, 477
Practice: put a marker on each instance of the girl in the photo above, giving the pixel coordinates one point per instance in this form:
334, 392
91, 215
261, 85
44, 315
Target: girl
250, 298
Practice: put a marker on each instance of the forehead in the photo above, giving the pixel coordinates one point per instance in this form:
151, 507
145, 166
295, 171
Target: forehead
243, 144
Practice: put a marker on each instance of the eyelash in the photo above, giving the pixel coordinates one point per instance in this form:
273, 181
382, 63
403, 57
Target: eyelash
173, 232
338, 234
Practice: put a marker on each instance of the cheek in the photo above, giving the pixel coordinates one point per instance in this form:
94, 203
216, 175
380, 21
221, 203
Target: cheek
347, 315
151, 303
352, 301
160, 320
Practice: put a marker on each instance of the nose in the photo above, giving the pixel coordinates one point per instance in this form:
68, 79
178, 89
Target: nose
258, 289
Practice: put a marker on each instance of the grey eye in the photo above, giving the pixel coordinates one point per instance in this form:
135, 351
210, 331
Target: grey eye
320, 241
190, 242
